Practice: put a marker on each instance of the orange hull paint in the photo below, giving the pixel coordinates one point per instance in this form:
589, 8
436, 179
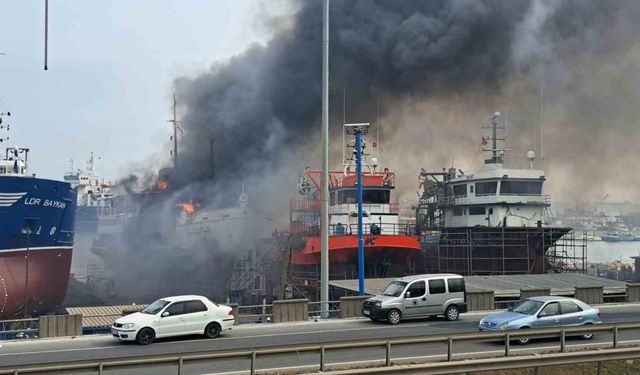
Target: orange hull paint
343, 249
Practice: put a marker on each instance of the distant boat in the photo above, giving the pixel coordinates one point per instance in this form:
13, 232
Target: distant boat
618, 237
593, 237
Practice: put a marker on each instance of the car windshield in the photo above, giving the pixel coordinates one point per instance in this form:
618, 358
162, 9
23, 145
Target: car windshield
155, 307
528, 307
394, 289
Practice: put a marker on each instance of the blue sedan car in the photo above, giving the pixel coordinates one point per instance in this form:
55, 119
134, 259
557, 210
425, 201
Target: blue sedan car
542, 312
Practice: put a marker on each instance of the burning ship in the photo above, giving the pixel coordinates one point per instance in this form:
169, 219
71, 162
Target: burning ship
37, 218
495, 220
184, 247
391, 247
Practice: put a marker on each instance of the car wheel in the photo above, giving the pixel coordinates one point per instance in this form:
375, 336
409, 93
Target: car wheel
523, 340
212, 330
452, 313
394, 316
145, 336
587, 336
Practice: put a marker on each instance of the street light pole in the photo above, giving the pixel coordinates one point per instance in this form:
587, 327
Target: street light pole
360, 231
358, 130
324, 214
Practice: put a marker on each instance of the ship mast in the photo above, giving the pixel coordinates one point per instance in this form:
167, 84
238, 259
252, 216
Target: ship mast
176, 127
497, 154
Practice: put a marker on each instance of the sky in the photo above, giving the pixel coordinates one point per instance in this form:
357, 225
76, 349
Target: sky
111, 70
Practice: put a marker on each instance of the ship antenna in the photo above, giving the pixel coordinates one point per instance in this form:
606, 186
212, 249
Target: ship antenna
506, 124
541, 123
495, 157
378, 131
90, 164
344, 121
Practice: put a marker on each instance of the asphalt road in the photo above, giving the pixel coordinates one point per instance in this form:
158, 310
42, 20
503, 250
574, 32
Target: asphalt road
261, 336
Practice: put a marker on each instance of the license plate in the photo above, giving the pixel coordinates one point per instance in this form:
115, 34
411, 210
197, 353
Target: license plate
366, 312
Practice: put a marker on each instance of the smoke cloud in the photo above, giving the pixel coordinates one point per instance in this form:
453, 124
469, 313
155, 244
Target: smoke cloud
439, 68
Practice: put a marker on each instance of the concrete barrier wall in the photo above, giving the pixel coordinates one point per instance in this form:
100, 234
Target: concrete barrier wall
480, 300
526, 293
132, 310
60, 325
590, 295
290, 310
633, 293
351, 306
236, 312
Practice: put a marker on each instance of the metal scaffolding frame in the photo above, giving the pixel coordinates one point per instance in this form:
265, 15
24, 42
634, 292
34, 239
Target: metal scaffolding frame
502, 251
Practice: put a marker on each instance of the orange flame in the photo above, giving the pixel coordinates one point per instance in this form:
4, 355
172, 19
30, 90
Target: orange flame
162, 185
188, 207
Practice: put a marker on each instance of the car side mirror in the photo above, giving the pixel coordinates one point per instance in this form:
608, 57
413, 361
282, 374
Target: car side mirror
165, 314
407, 295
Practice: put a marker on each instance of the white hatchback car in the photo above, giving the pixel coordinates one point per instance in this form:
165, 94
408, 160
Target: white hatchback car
174, 316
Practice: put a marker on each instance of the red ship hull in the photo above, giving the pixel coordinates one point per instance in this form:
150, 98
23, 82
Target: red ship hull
397, 252
46, 285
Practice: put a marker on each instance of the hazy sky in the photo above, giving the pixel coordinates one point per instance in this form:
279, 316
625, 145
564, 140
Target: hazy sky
111, 67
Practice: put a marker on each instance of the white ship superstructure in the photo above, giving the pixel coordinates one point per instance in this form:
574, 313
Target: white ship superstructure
496, 195
93, 191
494, 220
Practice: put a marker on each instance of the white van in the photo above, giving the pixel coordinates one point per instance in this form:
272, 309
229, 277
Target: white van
418, 296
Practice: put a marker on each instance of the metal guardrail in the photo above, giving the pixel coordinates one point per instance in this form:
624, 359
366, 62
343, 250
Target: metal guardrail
506, 363
322, 350
266, 311
10, 329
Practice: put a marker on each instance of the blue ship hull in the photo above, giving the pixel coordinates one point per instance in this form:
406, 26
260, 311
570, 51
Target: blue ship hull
37, 219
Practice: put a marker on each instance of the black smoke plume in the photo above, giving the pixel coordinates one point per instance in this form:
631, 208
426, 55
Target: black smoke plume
440, 68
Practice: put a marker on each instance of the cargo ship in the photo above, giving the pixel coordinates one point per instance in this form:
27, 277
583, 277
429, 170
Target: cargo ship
37, 218
495, 220
94, 194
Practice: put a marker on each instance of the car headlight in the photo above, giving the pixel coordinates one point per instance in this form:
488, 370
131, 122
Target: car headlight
128, 325
503, 325
378, 304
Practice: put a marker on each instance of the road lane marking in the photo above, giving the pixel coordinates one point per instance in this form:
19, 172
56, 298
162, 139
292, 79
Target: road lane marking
61, 351
210, 340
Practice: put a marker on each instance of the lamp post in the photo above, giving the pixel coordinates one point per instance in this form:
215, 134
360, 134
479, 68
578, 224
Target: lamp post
359, 130
324, 218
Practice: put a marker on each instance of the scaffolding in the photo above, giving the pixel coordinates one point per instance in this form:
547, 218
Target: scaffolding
511, 250
569, 253
256, 275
